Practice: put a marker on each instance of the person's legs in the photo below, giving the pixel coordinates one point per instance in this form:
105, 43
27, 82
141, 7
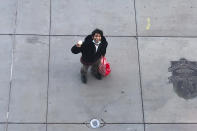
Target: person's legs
95, 71
84, 70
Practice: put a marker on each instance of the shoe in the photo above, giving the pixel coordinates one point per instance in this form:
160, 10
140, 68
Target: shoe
83, 78
98, 76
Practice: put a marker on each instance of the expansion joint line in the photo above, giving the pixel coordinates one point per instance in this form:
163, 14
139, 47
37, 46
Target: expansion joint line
140, 77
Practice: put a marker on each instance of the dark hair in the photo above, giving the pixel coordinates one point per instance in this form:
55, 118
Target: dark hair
97, 31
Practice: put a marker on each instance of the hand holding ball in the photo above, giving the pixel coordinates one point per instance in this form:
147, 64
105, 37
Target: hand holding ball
79, 43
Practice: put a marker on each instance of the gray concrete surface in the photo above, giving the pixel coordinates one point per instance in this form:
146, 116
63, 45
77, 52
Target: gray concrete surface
6, 60
171, 127
114, 127
168, 18
27, 127
161, 103
7, 16
30, 79
40, 87
33, 17
80, 17
2, 127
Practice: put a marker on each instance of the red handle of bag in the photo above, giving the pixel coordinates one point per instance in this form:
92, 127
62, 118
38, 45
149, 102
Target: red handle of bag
103, 59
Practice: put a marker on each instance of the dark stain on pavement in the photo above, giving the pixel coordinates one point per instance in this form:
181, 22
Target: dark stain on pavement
35, 40
184, 78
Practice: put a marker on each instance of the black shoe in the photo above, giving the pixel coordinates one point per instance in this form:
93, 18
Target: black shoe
83, 78
98, 76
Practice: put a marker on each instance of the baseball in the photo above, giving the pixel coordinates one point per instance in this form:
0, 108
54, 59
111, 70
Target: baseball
80, 42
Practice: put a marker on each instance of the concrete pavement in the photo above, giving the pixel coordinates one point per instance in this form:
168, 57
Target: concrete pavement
40, 87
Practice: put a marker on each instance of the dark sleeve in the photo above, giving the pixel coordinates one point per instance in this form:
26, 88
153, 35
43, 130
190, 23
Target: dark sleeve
103, 51
75, 49
88, 38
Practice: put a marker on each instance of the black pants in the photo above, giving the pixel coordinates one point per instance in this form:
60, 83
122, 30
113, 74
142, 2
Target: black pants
94, 68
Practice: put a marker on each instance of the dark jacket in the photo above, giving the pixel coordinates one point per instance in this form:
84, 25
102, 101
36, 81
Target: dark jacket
88, 50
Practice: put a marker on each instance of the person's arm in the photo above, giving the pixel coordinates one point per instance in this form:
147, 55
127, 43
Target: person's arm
76, 49
80, 47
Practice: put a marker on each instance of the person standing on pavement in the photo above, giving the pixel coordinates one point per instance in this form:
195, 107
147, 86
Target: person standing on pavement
92, 48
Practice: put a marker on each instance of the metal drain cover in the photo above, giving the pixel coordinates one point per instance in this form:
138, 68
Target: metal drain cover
95, 123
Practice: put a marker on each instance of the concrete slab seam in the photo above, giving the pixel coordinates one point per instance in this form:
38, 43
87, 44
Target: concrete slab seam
139, 36
87, 122
48, 68
140, 78
12, 65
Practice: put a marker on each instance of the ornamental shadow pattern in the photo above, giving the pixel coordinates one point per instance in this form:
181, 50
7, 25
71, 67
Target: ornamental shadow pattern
184, 78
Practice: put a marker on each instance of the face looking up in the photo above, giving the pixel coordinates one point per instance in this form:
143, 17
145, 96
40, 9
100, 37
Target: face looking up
97, 37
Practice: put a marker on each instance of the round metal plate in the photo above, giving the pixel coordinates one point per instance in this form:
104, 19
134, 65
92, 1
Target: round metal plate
95, 123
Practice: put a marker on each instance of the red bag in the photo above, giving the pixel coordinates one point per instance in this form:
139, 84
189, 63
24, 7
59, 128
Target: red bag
104, 67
